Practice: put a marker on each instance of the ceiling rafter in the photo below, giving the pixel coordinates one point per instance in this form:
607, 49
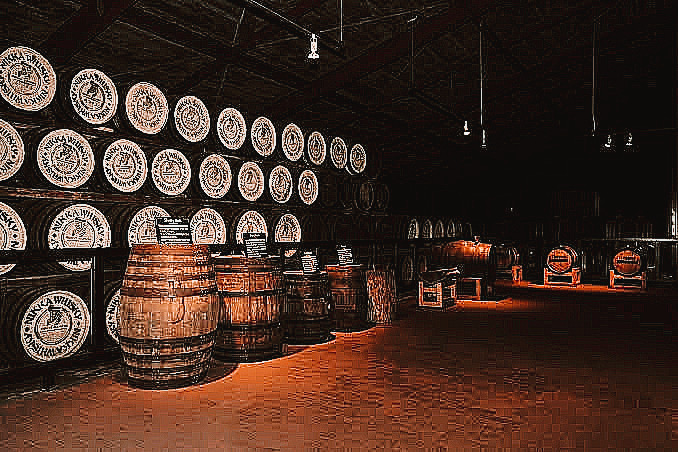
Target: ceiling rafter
378, 57
85, 25
301, 8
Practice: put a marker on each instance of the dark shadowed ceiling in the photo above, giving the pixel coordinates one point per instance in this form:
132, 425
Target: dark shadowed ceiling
405, 78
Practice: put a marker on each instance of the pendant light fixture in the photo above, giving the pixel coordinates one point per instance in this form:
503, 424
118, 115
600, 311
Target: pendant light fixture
483, 136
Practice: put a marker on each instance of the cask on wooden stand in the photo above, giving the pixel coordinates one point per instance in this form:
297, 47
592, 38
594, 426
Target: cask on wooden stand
252, 292
168, 315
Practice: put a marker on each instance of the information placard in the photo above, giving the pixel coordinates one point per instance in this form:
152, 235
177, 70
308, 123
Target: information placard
255, 244
309, 262
173, 231
345, 255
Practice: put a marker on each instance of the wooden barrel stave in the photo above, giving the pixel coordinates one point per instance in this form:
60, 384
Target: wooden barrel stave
251, 292
382, 299
168, 315
307, 308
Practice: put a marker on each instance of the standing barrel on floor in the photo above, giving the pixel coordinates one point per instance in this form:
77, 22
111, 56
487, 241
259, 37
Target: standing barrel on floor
168, 315
347, 287
307, 307
251, 291
382, 300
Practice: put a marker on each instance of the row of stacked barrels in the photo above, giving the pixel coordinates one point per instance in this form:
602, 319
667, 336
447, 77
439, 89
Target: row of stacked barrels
44, 158
178, 304
66, 159
414, 263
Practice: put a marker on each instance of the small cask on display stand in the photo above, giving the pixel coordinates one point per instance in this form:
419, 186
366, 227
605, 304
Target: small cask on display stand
628, 270
562, 267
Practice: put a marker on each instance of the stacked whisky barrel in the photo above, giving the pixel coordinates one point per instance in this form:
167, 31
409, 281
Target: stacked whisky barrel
87, 161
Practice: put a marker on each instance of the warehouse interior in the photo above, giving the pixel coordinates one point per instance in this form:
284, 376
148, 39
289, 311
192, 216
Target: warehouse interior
513, 130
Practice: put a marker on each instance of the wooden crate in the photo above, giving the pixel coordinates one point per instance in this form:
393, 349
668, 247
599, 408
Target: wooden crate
437, 293
628, 282
470, 288
570, 278
517, 274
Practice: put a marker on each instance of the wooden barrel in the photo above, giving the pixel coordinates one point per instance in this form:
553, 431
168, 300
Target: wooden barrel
41, 324
473, 259
88, 97
307, 187
338, 153
629, 262
349, 298
292, 142
251, 292
562, 259
506, 257
144, 110
382, 299
307, 308
357, 160
191, 120
263, 136
27, 80
169, 310
316, 150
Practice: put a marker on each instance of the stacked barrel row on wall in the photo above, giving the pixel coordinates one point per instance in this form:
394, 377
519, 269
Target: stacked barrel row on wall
86, 163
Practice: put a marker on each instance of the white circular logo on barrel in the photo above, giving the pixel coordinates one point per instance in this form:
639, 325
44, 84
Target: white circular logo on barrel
358, 159
288, 229
192, 119
250, 221
250, 181
338, 153
93, 96
27, 80
171, 172
280, 184
413, 229
293, 142
231, 128
215, 176
65, 158
11, 150
316, 148
308, 187
112, 316
439, 230
125, 166
147, 108
207, 227
142, 227
427, 229
12, 233
54, 326
263, 136
79, 226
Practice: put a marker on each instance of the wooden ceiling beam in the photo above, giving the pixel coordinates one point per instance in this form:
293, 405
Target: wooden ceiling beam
379, 56
268, 32
85, 25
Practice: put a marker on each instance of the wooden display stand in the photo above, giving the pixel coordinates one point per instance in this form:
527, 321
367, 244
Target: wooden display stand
439, 291
628, 282
569, 278
517, 274
470, 288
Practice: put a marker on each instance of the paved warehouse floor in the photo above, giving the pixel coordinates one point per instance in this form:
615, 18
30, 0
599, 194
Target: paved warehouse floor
555, 369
